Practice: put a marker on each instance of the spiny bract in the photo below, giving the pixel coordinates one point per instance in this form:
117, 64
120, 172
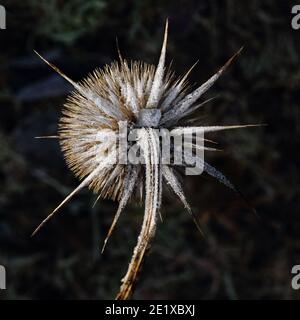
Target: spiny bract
130, 92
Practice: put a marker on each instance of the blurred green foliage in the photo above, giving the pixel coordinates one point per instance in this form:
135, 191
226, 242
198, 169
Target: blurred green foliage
67, 21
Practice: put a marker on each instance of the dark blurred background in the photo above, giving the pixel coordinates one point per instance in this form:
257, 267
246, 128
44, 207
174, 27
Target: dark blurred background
242, 257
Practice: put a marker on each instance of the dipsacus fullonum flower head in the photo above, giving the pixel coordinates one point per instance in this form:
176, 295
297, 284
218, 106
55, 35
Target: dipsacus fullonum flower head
146, 98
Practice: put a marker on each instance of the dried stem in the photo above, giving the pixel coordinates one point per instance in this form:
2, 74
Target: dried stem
150, 144
144, 241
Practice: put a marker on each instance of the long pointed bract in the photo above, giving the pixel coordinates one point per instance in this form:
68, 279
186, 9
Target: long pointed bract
175, 91
103, 104
175, 118
173, 182
189, 130
73, 83
129, 184
83, 184
155, 92
46, 137
191, 98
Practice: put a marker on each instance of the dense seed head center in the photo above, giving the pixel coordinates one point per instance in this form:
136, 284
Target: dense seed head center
149, 118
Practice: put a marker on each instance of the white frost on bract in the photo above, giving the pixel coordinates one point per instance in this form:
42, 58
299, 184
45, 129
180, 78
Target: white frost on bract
156, 89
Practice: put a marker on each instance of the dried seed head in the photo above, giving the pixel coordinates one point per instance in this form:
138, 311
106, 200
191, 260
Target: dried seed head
143, 97
89, 126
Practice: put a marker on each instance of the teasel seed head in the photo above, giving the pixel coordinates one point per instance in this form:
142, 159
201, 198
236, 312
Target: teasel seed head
146, 98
